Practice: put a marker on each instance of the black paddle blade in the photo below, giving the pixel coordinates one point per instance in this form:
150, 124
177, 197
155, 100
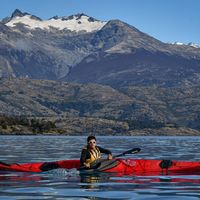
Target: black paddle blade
3, 163
49, 166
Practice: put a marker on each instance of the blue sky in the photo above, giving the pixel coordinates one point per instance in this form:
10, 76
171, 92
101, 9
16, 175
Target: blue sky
166, 20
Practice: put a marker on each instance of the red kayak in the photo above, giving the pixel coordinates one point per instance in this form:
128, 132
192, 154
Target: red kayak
124, 166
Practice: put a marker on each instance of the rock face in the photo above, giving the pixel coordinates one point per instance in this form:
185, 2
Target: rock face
82, 49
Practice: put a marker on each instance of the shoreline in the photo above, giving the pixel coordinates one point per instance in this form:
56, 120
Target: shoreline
165, 132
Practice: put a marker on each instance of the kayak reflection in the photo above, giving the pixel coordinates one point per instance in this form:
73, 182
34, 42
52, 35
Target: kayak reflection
91, 181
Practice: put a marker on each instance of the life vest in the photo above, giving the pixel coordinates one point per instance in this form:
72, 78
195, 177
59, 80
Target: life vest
94, 155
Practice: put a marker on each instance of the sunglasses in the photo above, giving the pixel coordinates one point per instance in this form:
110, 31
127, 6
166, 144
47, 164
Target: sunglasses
92, 142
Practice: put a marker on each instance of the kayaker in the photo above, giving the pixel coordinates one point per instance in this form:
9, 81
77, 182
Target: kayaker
91, 152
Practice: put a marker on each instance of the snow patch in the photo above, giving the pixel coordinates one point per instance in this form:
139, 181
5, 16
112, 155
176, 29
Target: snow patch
191, 44
74, 24
179, 43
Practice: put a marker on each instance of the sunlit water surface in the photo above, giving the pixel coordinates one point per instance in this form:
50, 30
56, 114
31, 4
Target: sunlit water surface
61, 184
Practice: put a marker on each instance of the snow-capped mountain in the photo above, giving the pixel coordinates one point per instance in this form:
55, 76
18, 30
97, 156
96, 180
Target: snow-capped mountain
79, 22
82, 49
191, 44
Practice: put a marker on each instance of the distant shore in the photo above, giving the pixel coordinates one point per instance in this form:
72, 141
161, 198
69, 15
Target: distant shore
144, 132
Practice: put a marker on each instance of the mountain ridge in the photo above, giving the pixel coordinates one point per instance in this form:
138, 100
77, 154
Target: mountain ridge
78, 22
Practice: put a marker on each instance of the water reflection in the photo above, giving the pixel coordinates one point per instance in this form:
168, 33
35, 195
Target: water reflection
183, 186
71, 184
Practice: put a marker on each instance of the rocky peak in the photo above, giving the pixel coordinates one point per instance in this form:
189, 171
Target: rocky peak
80, 16
18, 13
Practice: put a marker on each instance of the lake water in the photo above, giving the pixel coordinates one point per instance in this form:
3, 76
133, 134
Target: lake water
61, 184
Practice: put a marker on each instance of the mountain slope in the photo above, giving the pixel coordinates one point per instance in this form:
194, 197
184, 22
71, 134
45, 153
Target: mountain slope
139, 68
91, 105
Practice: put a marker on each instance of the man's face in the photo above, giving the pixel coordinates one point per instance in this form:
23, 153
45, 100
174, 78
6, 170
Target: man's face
92, 143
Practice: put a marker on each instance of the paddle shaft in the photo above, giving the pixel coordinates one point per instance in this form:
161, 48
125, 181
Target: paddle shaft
131, 151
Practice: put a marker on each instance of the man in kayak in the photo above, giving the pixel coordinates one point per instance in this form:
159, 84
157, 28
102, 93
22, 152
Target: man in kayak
92, 152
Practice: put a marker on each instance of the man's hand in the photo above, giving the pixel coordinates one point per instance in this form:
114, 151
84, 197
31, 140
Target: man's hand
86, 165
110, 157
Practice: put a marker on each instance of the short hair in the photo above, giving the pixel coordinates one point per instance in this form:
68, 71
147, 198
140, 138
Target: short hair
91, 137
